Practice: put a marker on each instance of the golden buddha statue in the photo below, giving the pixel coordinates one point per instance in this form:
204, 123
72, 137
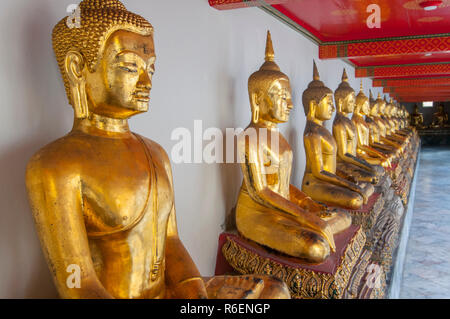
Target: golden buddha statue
377, 129
346, 137
397, 116
392, 126
363, 148
386, 112
320, 180
417, 118
440, 118
377, 114
102, 196
270, 211
387, 116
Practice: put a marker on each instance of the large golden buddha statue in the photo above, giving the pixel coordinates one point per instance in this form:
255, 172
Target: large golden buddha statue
270, 210
320, 180
102, 196
346, 137
364, 150
417, 118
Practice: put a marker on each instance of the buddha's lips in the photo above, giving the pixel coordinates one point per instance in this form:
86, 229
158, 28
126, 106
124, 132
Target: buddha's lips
142, 96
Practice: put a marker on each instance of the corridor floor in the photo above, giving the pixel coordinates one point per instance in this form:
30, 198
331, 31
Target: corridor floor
427, 264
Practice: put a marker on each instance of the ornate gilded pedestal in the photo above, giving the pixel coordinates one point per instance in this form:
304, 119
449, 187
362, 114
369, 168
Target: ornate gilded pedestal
368, 213
327, 280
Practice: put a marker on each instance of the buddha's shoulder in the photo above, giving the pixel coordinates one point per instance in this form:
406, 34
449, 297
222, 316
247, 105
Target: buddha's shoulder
158, 154
57, 155
156, 150
338, 119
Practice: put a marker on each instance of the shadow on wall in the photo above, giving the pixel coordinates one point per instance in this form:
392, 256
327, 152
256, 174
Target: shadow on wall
27, 274
230, 173
42, 108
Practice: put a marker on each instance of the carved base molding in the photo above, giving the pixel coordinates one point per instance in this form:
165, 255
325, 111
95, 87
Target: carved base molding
363, 283
368, 214
324, 281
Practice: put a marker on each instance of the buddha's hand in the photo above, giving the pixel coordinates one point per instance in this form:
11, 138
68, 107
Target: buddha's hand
191, 288
362, 192
327, 232
235, 287
311, 205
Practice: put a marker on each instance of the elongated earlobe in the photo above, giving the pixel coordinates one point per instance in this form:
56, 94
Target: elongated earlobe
312, 110
255, 108
74, 65
255, 117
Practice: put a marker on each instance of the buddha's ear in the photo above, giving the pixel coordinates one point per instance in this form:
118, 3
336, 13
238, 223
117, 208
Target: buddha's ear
257, 97
255, 101
312, 109
74, 65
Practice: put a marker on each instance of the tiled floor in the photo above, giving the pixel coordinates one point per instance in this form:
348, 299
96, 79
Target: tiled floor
427, 265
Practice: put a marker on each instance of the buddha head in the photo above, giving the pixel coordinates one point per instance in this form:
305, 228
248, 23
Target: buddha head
270, 91
318, 99
362, 103
391, 108
107, 63
396, 109
373, 105
344, 96
381, 104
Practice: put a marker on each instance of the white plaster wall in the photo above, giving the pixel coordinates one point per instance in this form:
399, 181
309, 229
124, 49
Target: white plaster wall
205, 57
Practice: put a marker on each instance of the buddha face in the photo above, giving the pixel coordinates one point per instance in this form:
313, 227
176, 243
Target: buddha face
387, 110
348, 104
278, 102
374, 109
381, 107
325, 108
395, 112
365, 107
120, 86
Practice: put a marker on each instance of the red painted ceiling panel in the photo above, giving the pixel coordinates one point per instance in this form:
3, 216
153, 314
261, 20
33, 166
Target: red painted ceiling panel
346, 20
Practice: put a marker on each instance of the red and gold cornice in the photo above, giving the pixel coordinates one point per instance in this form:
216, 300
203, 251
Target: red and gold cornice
421, 89
384, 47
410, 70
414, 82
419, 97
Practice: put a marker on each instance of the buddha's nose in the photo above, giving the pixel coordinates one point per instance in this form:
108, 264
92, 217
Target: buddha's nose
144, 81
290, 105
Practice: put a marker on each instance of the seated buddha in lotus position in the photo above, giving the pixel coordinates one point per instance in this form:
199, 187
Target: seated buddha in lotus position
397, 116
405, 120
102, 196
440, 118
349, 164
378, 130
320, 180
417, 118
270, 211
389, 117
363, 148
383, 114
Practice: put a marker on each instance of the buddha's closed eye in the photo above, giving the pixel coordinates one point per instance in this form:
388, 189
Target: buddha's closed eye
128, 67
